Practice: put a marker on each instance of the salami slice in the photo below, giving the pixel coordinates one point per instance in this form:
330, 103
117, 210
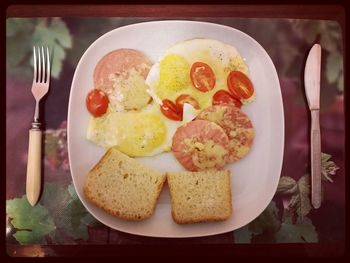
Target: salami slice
119, 62
237, 126
200, 145
121, 75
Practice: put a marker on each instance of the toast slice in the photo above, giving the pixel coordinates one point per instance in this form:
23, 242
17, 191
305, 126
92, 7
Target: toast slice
200, 196
124, 187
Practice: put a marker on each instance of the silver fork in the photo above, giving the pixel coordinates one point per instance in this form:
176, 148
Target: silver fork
40, 87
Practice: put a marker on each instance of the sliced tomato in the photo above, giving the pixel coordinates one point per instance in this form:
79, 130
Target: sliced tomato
202, 76
169, 109
224, 97
239, 85
97, 102
185, 98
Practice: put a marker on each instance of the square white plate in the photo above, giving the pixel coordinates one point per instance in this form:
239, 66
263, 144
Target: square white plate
254, 179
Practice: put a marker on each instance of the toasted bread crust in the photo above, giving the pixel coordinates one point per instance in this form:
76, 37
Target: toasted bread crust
123, 187
188, 208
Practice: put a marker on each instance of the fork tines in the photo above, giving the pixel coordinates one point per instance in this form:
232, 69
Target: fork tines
41, 61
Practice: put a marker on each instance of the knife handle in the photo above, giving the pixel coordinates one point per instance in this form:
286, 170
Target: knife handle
33, 183
315, 159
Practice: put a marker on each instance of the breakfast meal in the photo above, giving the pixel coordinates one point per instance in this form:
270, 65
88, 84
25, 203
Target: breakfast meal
190, 103
200, 196
124, 187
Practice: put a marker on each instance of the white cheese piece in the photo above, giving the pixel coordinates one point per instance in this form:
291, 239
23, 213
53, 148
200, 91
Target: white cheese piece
189, 113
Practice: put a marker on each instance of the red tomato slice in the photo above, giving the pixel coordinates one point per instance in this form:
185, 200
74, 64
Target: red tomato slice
240, 85
223, 97
185, 98
202, 76
97, 102
169, 109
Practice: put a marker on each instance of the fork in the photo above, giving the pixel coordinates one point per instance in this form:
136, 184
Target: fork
40, 87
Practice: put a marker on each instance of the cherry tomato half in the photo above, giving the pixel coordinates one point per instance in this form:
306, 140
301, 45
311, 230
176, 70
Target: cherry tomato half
240, 85
185, 98
202, 76
97, 102
170, 110
224, 97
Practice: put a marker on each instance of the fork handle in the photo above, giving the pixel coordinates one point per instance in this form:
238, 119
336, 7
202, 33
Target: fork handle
33, 183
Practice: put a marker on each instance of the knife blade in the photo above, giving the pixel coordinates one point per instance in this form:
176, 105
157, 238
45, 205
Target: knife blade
312, 77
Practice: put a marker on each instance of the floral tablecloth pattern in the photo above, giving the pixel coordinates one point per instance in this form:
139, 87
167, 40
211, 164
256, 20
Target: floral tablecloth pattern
60, 217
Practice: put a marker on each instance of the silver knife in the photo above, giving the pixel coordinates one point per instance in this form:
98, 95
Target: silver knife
312, 88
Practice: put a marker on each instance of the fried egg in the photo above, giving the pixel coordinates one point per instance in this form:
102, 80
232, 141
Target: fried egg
136, 133
170, 76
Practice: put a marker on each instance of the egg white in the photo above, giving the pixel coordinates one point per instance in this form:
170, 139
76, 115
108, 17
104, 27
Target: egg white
108, 130
218, 51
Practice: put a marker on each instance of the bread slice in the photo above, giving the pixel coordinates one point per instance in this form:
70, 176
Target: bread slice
124, 187
200, 196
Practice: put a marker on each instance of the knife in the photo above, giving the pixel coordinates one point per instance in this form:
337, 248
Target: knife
312, 88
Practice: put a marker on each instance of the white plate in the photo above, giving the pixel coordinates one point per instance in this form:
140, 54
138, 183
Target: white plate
254, 178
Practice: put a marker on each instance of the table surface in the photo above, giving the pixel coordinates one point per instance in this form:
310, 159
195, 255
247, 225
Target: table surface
60, 223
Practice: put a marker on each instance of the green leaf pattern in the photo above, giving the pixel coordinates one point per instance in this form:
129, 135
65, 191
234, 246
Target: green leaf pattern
32, 223
301, 202
328, 34
267, 221
283, 229
328, 167
59, 213
287, 185
55, 35
334, 66
22, 34
243, 235
301, 232
66, 210
299, 193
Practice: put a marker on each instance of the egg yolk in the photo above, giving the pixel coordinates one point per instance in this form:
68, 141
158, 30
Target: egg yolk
134, 133
173, 75
141, 133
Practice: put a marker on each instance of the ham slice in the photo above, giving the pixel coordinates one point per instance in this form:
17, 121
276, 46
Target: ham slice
119, 62
200, 145
237, 126
121, 74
